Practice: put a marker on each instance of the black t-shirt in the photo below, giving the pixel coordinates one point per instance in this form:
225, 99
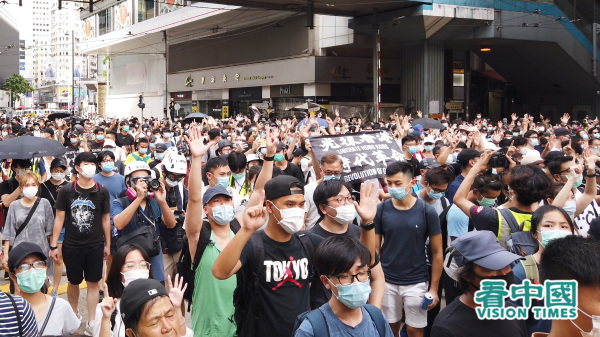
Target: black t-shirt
125, 140
294, 171
414, 162
284, 282
459, 320
83, 214
7, 187
95, 146
49, 191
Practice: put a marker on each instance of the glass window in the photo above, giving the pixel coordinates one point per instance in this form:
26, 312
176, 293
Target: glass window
145, 10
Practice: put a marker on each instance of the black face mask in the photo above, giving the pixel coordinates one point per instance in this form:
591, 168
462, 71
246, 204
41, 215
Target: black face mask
564, 143
509, 278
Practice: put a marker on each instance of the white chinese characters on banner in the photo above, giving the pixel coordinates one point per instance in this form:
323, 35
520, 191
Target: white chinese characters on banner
364, 155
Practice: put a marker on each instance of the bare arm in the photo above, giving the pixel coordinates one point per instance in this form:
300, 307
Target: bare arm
437, 261
460, 198
377, 286
7, 199
122, 219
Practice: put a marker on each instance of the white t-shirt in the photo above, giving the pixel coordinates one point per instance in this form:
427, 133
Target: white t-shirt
62, 322
309, 205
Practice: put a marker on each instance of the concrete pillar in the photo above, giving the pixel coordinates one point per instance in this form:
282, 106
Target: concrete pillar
423, 74
101, 99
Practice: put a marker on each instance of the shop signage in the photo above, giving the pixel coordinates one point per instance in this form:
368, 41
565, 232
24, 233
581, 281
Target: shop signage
182, 96
252, 78
454, 105
289, 90
188, 81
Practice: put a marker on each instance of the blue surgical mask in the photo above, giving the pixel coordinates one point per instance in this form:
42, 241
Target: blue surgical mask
534, 142
494, 171
428, 148
578, 182
585, 137
338, 129
570, 207
126, 128
597, 135
435, 195
278, 157
111, 149
398, 193
223, 214
487, 202
551, 235
159, 155
223, 181
100, 137
168, 135
143, 150
239, 176
108, 167
412, 149
332, 177
353, 295
263, 151
31, 281
73, 140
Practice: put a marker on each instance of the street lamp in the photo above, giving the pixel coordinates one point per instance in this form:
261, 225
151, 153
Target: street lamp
72, 70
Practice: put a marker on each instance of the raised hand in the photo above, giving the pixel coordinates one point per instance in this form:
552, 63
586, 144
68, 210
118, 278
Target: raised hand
176, 290
196, 143
368, 202
254, 217
514, 117
108, 304
271, 144
565, 118
419, 114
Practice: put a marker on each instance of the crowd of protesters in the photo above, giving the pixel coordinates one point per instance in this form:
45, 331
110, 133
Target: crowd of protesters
240, 222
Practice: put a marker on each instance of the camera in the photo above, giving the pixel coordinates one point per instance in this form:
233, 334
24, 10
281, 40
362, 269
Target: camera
499, 160
153, 184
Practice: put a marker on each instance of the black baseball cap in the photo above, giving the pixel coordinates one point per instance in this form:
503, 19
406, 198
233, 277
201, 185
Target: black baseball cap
58, 162
213, 192
467, 154
161, 147
21, 251
137, 293
281, 186
562, 132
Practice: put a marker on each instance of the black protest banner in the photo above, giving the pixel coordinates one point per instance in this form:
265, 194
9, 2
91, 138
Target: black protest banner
365, 155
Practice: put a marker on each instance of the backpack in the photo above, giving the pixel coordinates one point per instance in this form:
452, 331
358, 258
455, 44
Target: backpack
319, 323
246, 297
518, 242
444, 222
186, 266
532, 272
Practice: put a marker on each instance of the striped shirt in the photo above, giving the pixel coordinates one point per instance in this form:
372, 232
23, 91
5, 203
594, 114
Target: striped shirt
9, 326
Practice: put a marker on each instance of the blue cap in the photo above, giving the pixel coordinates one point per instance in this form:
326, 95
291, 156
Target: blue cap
213, 192
483, 249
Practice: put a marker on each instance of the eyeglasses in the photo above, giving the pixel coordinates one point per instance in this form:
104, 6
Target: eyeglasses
135, 179
144, 265
26, 266
342, 200
108, 161
348, 279
333, 173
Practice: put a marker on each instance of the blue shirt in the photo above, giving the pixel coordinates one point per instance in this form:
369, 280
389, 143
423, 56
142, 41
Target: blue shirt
114, 184
458, 221
338, 328
8, 318
153, 212
454, 187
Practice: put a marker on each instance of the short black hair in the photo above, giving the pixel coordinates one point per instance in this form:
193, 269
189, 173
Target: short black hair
143, 140
214, 163
519, 141
572, 258
338, 254
326, 190
487, 182
85, 157
530, 182
98, 130
438, 176
539, 214
555, 164
22, 163
102, 154
214, 133
400, 166
409, 138
237, 161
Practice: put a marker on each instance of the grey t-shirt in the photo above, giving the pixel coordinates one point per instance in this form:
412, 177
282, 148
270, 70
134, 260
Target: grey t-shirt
338, 328
436, 204
62, 322
37, 230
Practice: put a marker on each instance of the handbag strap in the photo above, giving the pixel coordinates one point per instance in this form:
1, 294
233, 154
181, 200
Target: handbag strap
147, 218
17, 314
47, 316
31, 211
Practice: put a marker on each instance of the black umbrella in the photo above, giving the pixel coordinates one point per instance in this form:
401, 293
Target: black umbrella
428, 123
26, 147
52, 117
196, 116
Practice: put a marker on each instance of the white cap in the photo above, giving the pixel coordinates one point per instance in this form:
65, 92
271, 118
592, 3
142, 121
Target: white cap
109, 142
252, 157
428, 140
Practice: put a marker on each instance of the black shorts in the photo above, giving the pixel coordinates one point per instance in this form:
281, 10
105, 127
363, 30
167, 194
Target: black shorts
88, 261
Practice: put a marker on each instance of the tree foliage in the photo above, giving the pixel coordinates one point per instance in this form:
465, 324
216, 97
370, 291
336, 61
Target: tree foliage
18, 85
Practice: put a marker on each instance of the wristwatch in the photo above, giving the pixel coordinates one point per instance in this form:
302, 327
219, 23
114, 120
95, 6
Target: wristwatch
368, 226
265, 158
53, 247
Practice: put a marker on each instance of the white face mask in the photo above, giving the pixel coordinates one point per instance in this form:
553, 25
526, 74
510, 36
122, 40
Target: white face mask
171, 183
463, 139
345, 214
88, 171
133, 275
292, 219
570, 207
30, 192
58, 176
595, 332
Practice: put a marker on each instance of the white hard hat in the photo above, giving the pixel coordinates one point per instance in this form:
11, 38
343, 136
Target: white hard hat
174, 162
137, 166
252, 157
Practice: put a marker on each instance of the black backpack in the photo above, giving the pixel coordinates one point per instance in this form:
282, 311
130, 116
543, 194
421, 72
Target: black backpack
186, 267
246, 297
